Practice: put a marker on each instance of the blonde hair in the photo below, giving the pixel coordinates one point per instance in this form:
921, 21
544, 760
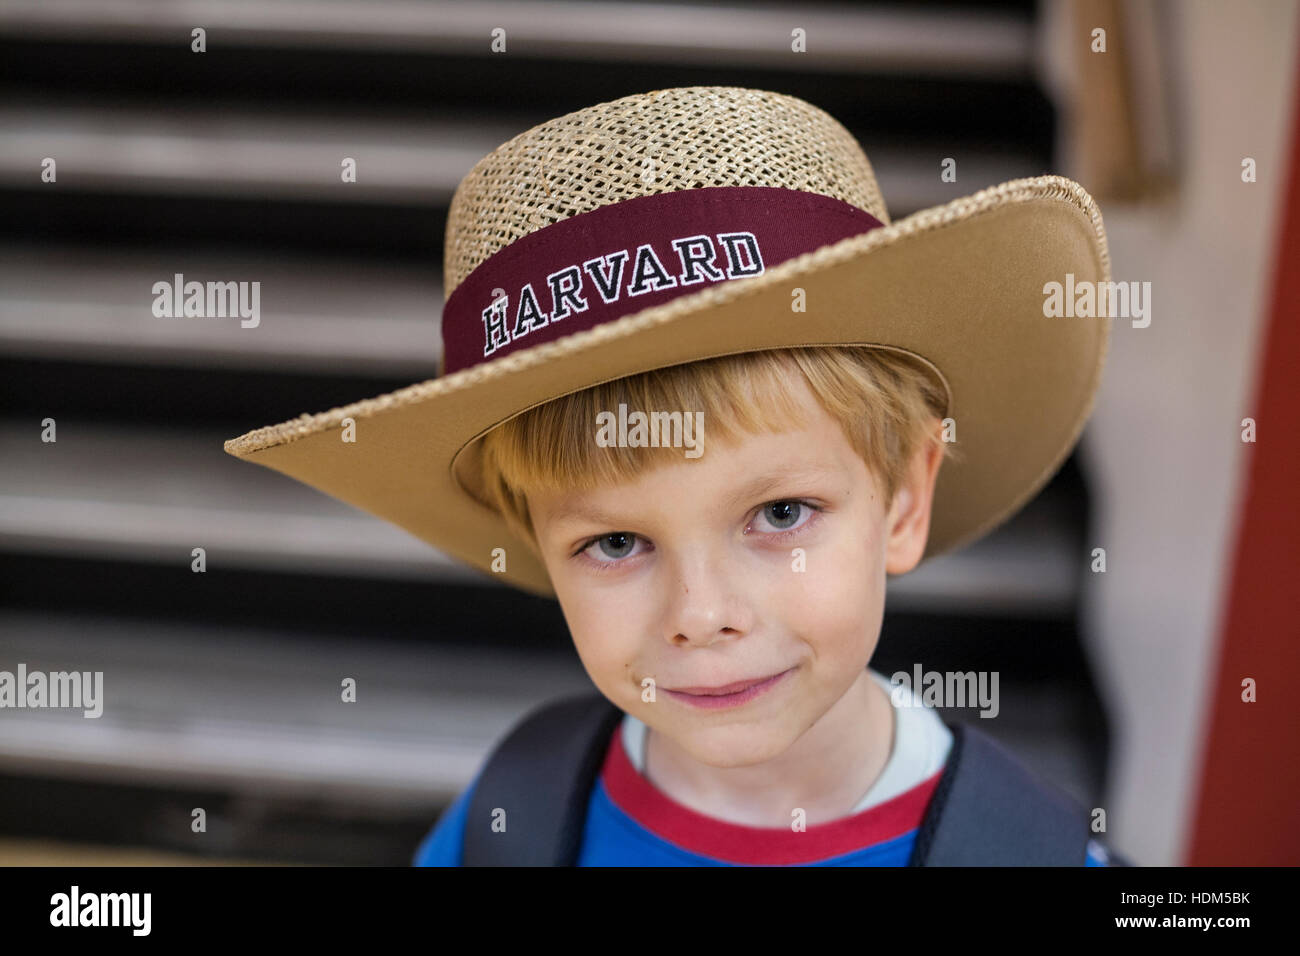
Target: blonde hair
886, 402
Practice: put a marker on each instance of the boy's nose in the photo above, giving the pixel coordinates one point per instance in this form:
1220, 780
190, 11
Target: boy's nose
704, 604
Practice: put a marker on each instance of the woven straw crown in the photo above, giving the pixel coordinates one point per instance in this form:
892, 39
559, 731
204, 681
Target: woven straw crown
665, 141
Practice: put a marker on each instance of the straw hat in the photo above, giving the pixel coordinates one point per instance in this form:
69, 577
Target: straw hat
676, 225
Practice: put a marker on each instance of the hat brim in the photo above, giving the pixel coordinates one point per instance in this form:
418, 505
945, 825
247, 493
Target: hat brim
960, 285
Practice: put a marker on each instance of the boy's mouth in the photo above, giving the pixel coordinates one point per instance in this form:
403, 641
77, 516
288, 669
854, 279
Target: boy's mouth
727, 695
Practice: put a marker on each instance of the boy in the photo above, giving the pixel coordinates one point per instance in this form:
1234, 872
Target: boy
679, 575
699, 389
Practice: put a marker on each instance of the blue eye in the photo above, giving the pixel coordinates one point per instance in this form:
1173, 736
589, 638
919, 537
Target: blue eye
783, 514
786, 515
614, 546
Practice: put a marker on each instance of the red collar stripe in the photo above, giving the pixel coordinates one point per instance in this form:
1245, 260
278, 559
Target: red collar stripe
758, 846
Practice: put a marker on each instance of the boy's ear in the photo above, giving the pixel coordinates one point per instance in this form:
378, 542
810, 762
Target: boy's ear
908, 521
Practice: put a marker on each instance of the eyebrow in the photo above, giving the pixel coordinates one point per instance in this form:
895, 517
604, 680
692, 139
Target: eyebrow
762, 485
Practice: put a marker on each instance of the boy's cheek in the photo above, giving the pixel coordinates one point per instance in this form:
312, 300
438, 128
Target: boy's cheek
610, 661
838, 602
833, 577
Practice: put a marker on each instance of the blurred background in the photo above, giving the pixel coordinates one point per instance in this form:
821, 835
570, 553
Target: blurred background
222, 688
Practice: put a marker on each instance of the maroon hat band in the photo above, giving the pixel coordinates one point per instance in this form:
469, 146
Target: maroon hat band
610, 262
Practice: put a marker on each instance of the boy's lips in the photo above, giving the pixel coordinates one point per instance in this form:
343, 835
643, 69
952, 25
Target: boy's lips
727, 696
732, 688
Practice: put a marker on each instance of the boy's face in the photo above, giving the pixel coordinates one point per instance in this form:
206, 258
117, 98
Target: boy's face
687, 575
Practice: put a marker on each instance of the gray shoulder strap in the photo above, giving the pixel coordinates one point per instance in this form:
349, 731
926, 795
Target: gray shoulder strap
541, 776
990, 810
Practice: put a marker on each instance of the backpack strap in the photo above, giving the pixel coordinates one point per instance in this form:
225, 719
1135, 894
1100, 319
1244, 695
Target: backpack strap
990, 810
541, 775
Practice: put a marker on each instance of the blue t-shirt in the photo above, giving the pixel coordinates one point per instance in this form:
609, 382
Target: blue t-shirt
630, 822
